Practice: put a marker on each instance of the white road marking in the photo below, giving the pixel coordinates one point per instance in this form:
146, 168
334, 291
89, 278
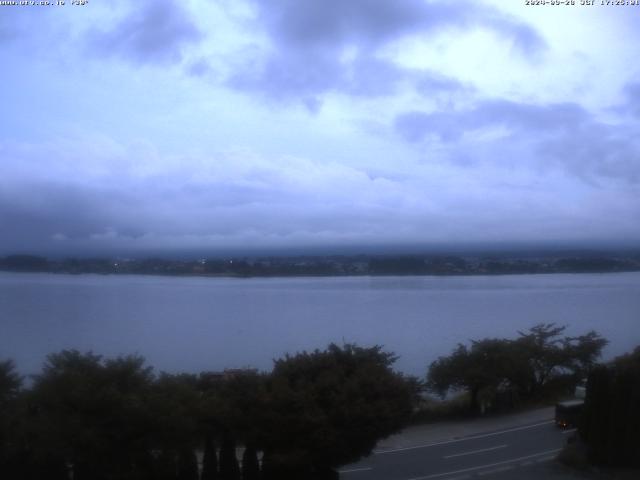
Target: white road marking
352, 470
475, 451
496, 470
480, 467
565, 432
473, 437
545, 459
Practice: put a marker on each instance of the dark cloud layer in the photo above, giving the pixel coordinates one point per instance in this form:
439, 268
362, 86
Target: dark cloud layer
561, 134
632, 94
438, 160
327, 23
449, 126
309, 38
111, 203
154, 32
290, 76
50, 208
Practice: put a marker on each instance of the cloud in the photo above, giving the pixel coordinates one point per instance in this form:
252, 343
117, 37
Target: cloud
100, 196
429, 82
154, 32
285, 77
131, 198
450, 125
329, 23
560, 135
596, 152
632, 95
325, 46
199, 68
523, 37
7, 31
476, 151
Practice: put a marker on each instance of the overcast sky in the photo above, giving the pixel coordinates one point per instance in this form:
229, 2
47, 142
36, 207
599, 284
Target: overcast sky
164, 125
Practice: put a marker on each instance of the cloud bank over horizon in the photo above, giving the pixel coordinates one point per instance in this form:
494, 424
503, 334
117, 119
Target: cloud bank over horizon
214, 125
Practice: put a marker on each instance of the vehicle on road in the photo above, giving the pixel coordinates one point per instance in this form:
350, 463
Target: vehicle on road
568, 413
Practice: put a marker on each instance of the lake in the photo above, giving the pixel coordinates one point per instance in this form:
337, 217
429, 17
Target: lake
194, 324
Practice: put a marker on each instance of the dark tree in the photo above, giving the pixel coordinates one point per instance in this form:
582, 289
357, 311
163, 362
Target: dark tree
209, 460
328, 408
484, 366
550, 355
611, 419
187, 465
174, 405
582, 352
92, 414
250, 465
235, 402
229, 468
10, 383
527, 365
165, 466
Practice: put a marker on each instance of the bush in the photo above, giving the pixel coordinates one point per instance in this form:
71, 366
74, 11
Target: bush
574, 455
611, 419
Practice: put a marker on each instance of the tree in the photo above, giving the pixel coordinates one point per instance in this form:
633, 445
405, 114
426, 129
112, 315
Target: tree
250, 465
233, 404
10, 383
92, 414
174, 403
486, 365
583, 352
187, 465
229, 468
544, 351
549, 355
209, 459
527, 365
328, 408
611, 418
165, 465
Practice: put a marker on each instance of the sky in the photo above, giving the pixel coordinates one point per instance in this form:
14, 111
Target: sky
160, 125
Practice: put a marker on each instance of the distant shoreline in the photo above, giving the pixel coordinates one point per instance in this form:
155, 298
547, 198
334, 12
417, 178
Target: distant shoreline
318, 276
328, 266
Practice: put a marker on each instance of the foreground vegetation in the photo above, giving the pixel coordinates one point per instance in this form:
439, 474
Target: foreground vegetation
114, 419
610, 425
541, 364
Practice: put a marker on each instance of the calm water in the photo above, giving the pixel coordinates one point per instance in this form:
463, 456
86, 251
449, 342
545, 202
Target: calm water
195, 324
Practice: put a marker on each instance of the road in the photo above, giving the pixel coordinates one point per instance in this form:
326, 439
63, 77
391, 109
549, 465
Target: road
483, 455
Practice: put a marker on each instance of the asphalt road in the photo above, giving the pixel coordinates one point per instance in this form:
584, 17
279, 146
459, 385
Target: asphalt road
484, 455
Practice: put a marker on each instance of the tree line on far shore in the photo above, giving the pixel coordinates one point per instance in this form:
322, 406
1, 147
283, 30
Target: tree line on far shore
115, 419
335, 265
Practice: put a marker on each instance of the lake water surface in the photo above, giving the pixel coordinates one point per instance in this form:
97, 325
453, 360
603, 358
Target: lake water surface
194, 324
